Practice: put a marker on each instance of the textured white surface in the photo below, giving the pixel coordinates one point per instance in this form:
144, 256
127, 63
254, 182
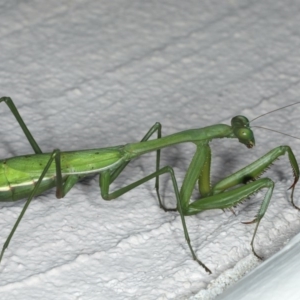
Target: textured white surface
276, 278
88, 74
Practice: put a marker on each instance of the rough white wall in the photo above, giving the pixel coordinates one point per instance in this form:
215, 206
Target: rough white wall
89, 74
276, 278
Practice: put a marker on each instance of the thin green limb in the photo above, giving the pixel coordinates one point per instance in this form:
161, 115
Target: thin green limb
55, 154
104, 182
61, 190
19, 119
233, 197
156, 127
115, 173
257, 168
263, 208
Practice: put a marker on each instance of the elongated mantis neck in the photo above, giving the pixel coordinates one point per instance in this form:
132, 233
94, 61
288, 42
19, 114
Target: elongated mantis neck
204, 135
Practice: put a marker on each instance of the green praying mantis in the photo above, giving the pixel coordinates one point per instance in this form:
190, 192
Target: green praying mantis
30, 175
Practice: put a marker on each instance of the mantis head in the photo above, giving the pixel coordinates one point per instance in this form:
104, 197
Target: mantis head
242, 131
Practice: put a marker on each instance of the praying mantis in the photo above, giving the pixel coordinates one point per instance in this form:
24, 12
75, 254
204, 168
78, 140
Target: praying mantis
30, 175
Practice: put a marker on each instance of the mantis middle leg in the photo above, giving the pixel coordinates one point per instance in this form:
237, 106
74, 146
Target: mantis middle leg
115, 173
198, 160
104, 186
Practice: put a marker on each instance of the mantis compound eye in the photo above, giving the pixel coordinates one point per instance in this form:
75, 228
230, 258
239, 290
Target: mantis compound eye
239, 121
242, 132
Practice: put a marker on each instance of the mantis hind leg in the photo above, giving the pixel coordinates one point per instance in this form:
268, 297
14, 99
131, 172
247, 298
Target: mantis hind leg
19, 119
105, 183
62, 187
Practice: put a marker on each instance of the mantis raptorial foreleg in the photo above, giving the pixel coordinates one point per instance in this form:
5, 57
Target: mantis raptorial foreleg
219, 197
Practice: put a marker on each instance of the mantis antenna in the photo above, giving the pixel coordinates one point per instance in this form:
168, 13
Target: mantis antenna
275, 110
273, 129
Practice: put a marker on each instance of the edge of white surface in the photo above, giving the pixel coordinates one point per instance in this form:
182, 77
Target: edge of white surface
277, 276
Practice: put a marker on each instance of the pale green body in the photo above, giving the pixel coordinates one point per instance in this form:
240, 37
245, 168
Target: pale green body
29, 175
19, 174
